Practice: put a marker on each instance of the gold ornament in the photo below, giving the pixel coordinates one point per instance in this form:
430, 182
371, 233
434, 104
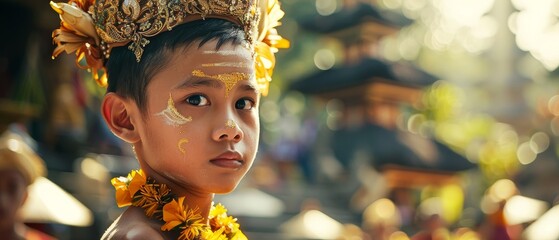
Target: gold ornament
92, 28
229, 79
230, 124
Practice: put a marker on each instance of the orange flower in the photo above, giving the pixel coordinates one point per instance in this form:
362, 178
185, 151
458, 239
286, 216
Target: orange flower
137, 179
126, 187
176, 215
160, 203
123, 197
77, 34
152, 198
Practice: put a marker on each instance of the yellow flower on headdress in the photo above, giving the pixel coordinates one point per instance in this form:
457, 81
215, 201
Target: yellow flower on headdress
126, 187
188, 221
268, 43
268, 24
77, 34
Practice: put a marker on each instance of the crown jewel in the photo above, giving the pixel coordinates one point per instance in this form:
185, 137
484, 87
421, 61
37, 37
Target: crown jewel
92, 28
118, 22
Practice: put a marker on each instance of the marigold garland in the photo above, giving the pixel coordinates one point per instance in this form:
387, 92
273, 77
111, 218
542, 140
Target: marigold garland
160, 203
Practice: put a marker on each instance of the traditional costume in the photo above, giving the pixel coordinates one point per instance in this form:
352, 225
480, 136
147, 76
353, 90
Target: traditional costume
92, 28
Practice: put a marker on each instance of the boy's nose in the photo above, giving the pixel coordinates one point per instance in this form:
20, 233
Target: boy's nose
229, 131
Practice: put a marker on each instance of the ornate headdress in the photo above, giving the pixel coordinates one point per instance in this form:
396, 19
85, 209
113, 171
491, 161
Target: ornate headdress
91, 28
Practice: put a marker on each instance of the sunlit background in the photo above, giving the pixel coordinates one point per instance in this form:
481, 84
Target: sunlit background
386, 119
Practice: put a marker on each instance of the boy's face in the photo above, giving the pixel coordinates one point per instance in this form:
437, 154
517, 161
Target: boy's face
201, 128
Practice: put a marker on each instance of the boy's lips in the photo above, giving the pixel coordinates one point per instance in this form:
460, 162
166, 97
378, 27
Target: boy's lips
229, 159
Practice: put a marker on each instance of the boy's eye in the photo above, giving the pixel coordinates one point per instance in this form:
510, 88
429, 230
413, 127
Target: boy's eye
197, 100
244, 104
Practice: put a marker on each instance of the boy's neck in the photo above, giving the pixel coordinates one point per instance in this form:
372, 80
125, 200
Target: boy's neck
193, 199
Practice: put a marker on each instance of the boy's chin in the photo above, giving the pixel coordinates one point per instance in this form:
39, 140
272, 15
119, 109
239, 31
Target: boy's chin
225, 189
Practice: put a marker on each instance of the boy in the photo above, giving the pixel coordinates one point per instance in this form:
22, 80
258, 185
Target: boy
184, 92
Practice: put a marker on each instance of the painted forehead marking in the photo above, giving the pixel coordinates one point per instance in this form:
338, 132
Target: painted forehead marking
223, 52
171, 114
228, 64
229, 79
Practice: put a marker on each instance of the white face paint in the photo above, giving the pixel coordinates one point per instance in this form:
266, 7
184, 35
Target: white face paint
227, 64
223, 52
171, 116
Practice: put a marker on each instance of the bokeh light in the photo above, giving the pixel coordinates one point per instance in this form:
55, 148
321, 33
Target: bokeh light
326, 7
539, 142
324, 59
525, 153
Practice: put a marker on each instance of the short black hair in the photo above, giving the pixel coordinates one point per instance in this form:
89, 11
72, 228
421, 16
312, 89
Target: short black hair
130, 78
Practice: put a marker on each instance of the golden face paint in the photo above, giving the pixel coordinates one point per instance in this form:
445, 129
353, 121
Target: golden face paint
180, 143
172, 115
230, 124
229, 79
227, 64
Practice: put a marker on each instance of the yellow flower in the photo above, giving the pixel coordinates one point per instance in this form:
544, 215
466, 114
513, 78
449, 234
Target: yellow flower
123, 197
151, 198
217, 210
77, 34
137, 179
264, 63
268, 43
211, 235
175, 214
160, 203
220, 220
127, 187
269, 34
239, 236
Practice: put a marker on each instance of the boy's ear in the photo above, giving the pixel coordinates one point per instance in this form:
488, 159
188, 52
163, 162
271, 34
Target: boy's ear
116, 112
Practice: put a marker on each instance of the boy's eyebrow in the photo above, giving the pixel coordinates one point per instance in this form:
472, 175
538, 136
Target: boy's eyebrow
249, 86
194, 81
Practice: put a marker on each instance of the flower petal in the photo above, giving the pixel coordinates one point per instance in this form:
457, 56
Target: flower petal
137, 179
122, 194
76, 19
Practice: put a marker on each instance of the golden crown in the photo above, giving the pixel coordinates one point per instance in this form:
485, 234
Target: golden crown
92, 28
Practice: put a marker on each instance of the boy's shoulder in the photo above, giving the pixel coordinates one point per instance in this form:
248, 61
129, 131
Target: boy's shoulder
132, 224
